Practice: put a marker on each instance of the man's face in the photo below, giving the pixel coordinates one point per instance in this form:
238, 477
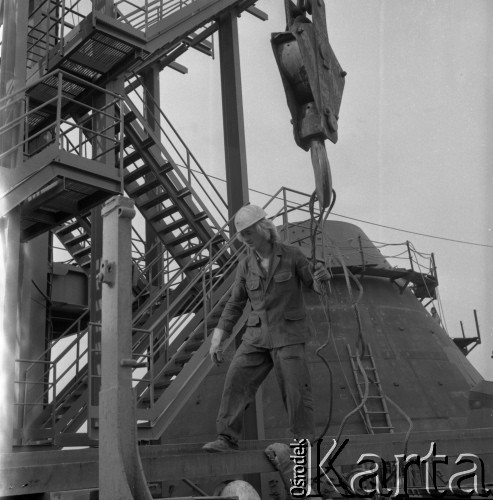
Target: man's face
252, 238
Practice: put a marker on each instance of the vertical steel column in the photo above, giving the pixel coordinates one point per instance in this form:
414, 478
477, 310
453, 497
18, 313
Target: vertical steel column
13, 71
10, 327
152, 117
236, 174
94, 355
100, 145
120, 470
233, 124
14, 325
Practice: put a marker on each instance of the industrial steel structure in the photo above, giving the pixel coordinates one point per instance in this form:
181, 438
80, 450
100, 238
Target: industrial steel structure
108, 383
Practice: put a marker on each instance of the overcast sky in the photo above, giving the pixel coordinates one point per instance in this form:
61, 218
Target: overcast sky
415, 132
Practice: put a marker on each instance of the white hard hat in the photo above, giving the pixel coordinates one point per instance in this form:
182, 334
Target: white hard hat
247, 216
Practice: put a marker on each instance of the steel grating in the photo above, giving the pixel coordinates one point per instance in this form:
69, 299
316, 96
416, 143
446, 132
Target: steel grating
81, 71
36, 117
48, 89
98, 54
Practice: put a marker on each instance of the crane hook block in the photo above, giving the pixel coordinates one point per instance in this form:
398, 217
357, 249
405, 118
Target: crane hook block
311, 75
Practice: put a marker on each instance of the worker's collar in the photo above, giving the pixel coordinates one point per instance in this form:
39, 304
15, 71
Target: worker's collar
276, 250
259, 257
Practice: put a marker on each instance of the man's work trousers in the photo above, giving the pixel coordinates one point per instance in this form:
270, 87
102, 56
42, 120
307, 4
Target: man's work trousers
248, 369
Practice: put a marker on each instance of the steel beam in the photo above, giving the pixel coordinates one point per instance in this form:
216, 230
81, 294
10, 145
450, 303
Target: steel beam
11, 256
12, 78
233, 122
188, 19
152, 115
13, 73
259, 14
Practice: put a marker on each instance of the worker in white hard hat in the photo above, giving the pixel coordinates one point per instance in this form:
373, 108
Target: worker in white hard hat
271, 278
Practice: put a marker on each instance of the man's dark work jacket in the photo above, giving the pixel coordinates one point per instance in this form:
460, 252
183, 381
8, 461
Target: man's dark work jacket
278, 316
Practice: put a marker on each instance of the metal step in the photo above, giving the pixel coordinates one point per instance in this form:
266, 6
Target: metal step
82, 252
67, 228
155, 200
143, 188
144, 145
187, 252
197, 264
76, 239
182, 238
161, 214
166, 228
131, 158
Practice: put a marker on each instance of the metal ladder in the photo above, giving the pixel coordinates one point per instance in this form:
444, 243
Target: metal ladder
375, 411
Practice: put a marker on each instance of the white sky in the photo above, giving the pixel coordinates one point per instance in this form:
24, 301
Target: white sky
415, 132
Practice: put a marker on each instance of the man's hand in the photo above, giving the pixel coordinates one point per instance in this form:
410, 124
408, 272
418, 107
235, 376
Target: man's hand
320, 272
216, 350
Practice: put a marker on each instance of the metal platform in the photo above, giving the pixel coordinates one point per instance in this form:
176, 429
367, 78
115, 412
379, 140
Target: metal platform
58, 186
99, 46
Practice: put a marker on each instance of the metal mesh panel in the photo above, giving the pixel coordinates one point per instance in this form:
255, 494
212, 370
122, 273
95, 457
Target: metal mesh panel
102, 50
80, 70
37, 117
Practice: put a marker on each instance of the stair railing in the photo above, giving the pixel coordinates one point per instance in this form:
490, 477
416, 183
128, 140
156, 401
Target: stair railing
230, 252
50, 21
58, 130
181, 276
70, 362
195, 174
167, 325
148, 13
158, 323
168, 328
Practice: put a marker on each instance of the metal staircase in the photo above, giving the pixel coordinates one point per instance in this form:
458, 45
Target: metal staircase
164, 196
170, 349
170, 338
62, 167
75, 236
375, 410
63, 124
81, 143
63, 378
103, 47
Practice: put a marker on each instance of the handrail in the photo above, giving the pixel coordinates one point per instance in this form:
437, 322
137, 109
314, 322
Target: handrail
42, 359
43, 355
68, 76
161, 341
212, 259
131, 106
189, 153
150, 13
49, 30
62, 127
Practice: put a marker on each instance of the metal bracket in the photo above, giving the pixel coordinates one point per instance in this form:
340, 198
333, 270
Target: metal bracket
106, 273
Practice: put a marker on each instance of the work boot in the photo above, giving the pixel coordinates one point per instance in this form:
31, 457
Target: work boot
220, 445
